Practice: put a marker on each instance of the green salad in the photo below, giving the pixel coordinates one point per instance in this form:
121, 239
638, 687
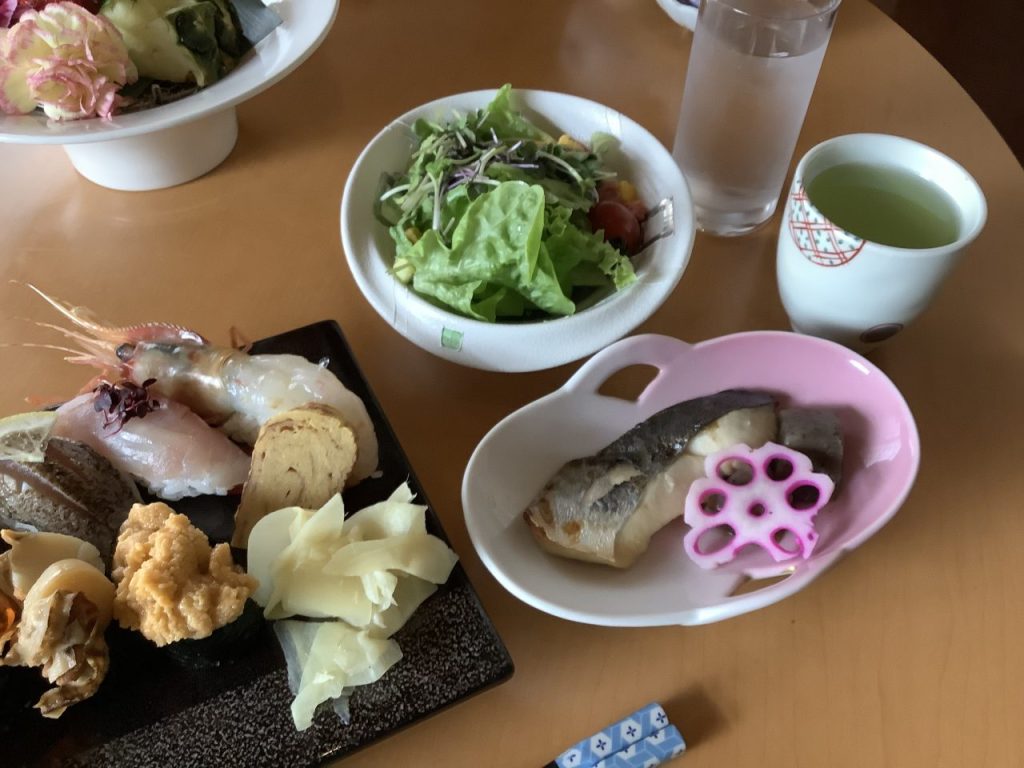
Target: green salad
494, 218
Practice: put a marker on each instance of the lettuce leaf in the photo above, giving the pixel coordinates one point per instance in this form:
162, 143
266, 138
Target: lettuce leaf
506, 122
496, 265
584, 258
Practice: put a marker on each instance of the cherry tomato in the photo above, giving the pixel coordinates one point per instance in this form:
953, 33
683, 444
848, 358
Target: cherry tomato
621, 228
608, 190
638, 209
612, 190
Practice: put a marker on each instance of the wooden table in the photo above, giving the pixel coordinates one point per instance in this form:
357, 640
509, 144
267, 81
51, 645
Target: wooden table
908, 653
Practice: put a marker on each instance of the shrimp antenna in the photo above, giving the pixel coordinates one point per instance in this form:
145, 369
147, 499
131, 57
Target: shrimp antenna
96, 329
80, 316
89, 352
73, 355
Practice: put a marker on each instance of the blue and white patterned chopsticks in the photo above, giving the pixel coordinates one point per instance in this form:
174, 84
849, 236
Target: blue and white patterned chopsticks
660, 747
644, 739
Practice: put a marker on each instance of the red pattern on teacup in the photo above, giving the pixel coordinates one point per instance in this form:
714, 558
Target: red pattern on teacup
818, 239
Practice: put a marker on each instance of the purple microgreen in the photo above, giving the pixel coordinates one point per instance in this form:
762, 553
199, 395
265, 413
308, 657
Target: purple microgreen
121, 402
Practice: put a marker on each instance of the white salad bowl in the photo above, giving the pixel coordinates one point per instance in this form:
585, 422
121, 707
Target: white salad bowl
521, 453
518, 346
682, 12
177, 142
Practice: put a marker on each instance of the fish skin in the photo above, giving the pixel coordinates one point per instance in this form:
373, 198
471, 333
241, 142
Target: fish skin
75, 491
814, 432
637, 457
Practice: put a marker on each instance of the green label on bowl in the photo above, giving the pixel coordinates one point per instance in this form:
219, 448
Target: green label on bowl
451, 339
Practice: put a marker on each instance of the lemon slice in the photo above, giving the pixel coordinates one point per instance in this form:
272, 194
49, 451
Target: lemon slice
23, 437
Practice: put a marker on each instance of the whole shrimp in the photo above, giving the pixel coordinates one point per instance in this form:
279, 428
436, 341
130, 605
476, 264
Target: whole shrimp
229, 388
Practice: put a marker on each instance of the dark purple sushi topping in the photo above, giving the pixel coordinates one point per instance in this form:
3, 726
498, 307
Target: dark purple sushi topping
123, 401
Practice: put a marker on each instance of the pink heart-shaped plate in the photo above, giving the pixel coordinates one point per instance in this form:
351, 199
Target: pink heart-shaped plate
517, 457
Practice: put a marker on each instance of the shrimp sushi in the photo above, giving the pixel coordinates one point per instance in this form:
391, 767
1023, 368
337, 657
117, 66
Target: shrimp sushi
229, 388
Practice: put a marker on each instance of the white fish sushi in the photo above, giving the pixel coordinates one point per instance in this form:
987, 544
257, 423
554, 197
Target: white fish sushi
170, 450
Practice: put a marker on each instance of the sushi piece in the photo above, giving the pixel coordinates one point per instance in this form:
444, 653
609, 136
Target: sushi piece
31, 553
171, 584
605, 508
61, 630
815, 433
301, 458
169, 449
74, 491
229, 388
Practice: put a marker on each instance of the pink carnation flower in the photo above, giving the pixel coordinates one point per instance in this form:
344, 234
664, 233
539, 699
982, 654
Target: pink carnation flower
64, 59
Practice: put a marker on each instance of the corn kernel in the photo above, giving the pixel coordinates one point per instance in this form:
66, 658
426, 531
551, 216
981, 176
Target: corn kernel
567, 141
627, 192
413, 234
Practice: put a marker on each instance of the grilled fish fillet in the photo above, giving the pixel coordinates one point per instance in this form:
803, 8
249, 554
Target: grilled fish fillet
814, 432
605, 508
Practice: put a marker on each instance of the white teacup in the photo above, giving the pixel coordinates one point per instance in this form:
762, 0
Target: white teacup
839, 286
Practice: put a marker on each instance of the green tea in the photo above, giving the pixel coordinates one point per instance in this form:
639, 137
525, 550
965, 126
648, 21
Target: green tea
885, 205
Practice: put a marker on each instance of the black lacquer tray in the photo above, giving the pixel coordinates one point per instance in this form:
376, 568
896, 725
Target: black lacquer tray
154, 711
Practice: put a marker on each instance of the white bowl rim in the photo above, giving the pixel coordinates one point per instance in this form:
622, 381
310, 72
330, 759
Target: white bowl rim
313, 19
681, 14
535, 331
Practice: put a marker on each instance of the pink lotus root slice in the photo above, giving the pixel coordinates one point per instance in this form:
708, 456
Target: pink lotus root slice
766, 497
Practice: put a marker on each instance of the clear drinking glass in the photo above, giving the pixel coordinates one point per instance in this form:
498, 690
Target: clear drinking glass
752, 70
